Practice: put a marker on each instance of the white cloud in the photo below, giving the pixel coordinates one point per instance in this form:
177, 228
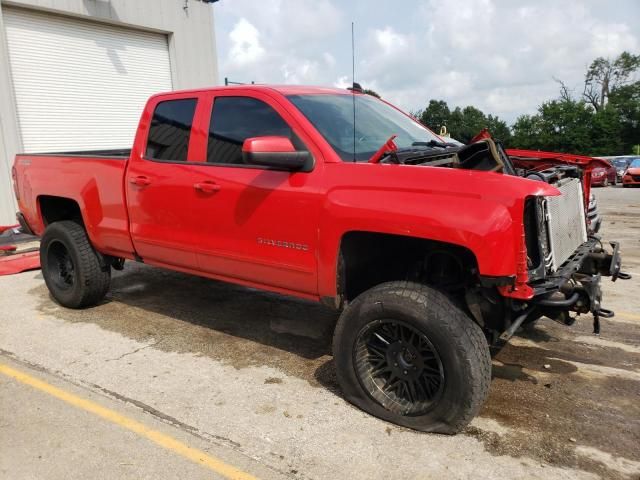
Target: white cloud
342, 82
609, 40
300, 72
329, 59
498, 55
282, 41
245, 43
389, 41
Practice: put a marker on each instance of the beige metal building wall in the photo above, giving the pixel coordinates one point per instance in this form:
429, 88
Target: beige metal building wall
192, 57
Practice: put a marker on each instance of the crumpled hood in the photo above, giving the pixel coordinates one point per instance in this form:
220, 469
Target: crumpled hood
521, 158
540, 160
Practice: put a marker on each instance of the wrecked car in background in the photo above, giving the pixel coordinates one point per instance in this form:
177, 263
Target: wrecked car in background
536, 160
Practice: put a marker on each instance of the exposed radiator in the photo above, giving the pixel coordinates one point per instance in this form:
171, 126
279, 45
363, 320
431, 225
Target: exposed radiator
566, 222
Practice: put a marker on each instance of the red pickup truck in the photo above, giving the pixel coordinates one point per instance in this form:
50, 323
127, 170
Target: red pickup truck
433, 251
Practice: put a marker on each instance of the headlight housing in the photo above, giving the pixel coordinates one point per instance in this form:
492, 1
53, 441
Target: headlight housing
536, 237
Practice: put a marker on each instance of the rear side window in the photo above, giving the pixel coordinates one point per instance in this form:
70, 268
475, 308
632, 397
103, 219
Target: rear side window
170, 130
234, 119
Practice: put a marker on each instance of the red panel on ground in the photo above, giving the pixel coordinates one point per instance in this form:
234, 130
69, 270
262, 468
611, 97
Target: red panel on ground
12, 264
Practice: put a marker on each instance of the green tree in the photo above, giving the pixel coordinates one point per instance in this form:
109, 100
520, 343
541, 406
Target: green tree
499, 129
462, 123
625, 100
604, 120
526, 132
569, 126
605, 75
471, 122
559, 126
436, 115
605, 133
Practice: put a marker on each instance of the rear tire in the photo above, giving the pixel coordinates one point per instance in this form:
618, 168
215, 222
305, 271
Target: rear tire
72, 269
406, 354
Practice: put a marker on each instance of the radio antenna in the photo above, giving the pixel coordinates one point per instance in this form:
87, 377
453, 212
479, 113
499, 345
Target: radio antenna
353, 86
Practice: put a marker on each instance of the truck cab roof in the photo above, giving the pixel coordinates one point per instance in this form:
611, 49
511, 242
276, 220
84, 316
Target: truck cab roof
282, 89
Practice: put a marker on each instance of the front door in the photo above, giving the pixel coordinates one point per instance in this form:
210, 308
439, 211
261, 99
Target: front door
259, 226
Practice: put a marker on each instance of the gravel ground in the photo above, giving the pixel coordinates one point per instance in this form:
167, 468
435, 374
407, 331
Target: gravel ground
251, 372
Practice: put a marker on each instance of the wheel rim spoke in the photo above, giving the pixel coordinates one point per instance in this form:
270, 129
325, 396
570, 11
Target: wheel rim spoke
60, 264
399, 367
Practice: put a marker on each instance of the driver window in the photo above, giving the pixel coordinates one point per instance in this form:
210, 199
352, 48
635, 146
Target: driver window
234, 119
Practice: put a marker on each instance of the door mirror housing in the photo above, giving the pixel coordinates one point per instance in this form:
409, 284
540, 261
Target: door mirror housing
275, 152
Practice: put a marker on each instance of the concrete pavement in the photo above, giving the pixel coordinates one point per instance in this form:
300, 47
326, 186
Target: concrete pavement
248, 376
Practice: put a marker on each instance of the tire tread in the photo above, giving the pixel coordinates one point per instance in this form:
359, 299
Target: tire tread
463, 332
95, 279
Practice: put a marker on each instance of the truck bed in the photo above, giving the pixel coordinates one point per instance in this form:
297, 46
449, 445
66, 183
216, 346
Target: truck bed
93, 179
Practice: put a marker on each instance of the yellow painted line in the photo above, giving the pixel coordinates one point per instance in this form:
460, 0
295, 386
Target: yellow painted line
165, 441
631, 316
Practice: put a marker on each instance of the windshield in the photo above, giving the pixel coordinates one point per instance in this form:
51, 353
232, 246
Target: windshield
620, 162
376, 121
635, 163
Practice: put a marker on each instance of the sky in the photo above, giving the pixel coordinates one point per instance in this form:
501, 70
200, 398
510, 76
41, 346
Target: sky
498, 55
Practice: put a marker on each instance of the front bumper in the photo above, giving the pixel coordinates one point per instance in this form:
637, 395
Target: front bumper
631, 180
574, 287
590, 258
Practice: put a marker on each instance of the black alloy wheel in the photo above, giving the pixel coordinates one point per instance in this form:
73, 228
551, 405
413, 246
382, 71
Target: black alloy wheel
399, 367
60, 265
408, 354
75, 273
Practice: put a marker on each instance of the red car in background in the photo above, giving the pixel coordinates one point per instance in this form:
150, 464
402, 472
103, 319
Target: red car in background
603, 176
632, 175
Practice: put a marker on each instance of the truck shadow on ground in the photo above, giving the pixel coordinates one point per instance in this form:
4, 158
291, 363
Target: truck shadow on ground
238, 326
248, 327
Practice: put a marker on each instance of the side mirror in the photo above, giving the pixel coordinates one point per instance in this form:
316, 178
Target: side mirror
276, 152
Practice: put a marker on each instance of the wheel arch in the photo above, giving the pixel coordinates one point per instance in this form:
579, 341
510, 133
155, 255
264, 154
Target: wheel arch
53, 208
366, 259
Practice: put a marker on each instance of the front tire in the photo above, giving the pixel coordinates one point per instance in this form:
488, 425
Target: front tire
406, 354
71, 267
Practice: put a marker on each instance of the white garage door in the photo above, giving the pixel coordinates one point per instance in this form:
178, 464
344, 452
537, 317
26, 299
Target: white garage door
81, 85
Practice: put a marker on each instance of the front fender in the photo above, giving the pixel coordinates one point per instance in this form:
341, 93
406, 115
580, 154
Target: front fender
480, 211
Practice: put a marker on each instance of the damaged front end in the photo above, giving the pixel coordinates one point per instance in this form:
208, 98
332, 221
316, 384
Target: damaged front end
562, 259
566, 259
565, 262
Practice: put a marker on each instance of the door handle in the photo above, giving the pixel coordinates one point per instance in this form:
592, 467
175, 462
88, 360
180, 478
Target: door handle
207, 187
140, 181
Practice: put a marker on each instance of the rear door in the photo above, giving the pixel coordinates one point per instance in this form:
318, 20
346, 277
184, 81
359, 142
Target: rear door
260, 226
161, 196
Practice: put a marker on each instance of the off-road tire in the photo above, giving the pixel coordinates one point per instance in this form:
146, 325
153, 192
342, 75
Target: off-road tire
458, 340
84, 281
